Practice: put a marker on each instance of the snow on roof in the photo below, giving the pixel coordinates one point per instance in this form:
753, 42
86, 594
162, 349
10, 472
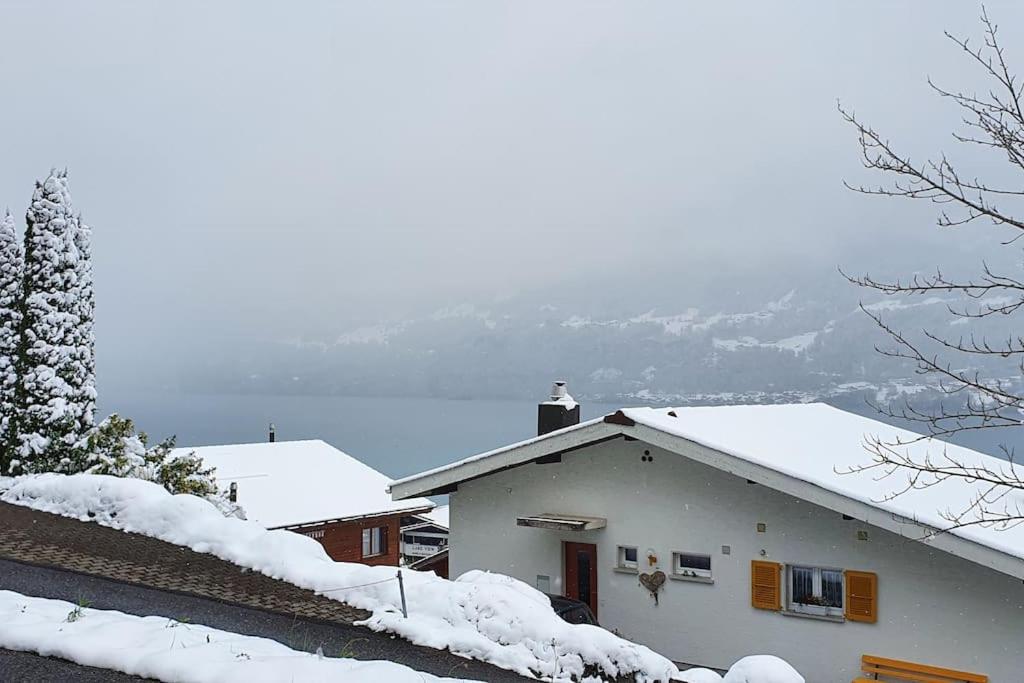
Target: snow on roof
298, 482
819, 444
811, 442
439, 516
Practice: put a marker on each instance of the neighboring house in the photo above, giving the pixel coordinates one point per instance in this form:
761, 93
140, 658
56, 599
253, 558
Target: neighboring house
423, 536
738, 520
312, 488
437, 563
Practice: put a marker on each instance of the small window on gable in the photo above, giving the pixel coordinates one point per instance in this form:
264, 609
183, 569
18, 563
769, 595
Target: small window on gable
692, 565
815, 590
627, 557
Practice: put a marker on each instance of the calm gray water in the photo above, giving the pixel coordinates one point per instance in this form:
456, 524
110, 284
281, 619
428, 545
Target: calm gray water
397, 436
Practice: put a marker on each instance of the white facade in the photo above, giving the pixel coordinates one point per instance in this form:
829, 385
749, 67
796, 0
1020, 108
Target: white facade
933, 607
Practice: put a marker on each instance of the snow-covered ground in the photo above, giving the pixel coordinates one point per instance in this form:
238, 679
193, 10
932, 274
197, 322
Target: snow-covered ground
752, 669
173, 651
483, 616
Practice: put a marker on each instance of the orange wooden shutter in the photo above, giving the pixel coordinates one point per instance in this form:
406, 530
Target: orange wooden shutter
862, 596
765, 589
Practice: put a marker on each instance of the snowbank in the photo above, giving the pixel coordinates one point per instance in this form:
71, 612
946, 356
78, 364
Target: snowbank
762, 669
168, 650
752, 669
699, 676
482, 616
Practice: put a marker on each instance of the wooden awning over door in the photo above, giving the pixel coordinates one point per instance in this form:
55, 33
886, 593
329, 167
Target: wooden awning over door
560, 522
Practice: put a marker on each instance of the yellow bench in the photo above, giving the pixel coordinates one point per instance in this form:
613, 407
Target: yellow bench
883, 669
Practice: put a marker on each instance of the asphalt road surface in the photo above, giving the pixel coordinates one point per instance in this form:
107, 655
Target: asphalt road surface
24, 667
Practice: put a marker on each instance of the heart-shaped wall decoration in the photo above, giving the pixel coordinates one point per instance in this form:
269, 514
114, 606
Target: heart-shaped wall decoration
653, 582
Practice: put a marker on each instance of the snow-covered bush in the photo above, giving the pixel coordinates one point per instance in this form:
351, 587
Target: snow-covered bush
114, 448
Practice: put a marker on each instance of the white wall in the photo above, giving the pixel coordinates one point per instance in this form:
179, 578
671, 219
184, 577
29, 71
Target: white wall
933, 607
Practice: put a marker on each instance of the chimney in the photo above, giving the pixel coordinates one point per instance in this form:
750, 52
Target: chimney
273, 435
558, 412
233, 493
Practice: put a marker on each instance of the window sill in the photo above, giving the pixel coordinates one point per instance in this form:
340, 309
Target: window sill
370, 557
817, 617
691, 579
626, 570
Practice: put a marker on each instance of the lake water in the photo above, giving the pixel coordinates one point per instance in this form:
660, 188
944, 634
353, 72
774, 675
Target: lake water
397, 436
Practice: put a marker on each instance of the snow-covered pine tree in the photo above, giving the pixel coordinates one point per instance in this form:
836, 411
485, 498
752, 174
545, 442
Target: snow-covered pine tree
84, 380
54, 371
11, 264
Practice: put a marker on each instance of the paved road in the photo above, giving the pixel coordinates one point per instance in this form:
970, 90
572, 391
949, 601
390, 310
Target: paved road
301, 634
24, 667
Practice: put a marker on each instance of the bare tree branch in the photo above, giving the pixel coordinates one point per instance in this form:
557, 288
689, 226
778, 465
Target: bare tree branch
994, 120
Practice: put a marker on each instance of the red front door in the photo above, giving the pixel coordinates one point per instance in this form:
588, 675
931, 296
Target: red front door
580, 573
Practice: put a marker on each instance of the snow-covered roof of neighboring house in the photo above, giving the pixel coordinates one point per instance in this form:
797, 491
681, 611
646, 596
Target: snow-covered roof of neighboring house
288, 483
801, 449
439, 516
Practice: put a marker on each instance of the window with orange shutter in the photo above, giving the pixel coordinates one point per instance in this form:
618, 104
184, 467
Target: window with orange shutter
765, 588
861, 596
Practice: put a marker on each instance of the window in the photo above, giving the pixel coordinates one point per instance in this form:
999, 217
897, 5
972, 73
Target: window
691, 565
816, 590
627, 557
375, 541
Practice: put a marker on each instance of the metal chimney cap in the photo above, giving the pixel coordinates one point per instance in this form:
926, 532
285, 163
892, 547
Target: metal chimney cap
558, 390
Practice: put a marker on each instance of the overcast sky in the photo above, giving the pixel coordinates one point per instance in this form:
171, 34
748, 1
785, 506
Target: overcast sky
271, 166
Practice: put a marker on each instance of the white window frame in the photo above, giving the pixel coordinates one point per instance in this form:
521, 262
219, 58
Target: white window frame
690, 572
622, 562
373, 538
816, 589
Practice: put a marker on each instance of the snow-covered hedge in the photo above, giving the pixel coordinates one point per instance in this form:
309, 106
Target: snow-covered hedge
113, 447
483, 616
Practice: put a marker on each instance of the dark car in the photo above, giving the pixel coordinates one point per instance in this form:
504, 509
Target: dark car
572, 610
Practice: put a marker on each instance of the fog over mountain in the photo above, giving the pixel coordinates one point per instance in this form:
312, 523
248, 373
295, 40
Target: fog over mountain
405, 199
739, 338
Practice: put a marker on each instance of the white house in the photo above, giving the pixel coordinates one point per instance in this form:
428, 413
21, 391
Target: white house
314, 489
425, 541
766, 546
425, 534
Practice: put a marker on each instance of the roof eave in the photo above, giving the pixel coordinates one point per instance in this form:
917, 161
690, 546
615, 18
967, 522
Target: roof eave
352, 518
442, 481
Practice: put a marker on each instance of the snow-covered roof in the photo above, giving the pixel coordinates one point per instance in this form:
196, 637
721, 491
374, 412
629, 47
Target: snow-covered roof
439, 516
299, 482
801, 449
